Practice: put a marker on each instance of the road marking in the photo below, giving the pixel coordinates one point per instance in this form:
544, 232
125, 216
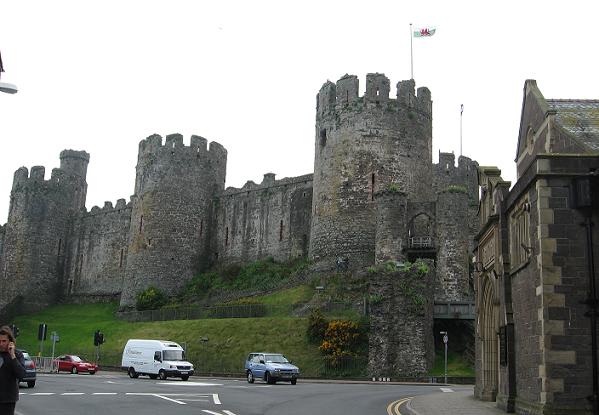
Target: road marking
216, 399
104, 393
42, 394
446, 390
189, 384
158, 396
72, 393
218, 413
393, 407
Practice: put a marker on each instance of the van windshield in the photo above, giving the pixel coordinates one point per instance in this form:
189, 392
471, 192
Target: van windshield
174, 355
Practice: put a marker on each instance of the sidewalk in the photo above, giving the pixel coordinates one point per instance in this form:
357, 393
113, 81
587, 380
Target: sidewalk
458, 402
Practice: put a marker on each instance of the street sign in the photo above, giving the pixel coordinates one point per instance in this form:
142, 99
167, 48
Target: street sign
445, 339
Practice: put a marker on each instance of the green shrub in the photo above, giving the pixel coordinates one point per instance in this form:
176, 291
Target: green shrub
317, 326
150, 299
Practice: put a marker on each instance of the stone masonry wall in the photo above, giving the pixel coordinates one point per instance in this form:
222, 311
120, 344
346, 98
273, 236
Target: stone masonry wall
41, 214
99, 252
400, 343
174, 188
362, 145
267, 219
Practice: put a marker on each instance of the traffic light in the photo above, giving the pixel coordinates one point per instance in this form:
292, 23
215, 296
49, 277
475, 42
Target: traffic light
15, 330
101, 338
41, 331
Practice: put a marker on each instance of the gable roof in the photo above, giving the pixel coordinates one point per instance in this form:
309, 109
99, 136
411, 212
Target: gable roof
580, 118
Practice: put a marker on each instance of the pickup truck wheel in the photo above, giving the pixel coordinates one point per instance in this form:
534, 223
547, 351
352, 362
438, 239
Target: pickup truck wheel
74, 370
162, 374
250, 377
269, 379
132, 373
294, 381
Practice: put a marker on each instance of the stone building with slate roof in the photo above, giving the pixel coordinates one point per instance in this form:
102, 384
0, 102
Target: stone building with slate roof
534, 264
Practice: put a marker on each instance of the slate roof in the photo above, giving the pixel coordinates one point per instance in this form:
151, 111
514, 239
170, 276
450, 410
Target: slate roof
580, 118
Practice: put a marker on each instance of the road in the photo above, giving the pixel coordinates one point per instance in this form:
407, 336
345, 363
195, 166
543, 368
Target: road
115, 393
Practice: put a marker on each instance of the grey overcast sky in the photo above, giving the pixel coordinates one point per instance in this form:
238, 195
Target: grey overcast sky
102, 75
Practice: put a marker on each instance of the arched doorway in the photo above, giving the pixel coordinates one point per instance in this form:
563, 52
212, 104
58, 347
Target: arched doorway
489, 329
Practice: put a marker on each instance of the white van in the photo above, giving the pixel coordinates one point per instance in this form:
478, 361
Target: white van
156, 359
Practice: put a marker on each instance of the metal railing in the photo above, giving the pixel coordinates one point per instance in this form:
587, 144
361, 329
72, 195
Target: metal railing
420, 242
45, 364
454, 310
234, 311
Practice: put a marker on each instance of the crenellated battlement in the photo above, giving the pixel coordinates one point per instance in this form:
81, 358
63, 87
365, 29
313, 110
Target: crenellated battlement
344, 95
173, 144
121, 204
268, 182
37, 174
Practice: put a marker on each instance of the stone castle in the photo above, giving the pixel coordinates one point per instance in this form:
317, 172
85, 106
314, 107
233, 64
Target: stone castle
374, 196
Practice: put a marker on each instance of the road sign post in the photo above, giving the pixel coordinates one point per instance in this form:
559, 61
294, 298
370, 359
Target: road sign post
55, 339
445, 340
41, 335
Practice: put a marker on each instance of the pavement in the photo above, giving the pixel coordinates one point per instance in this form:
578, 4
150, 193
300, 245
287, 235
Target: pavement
450, 402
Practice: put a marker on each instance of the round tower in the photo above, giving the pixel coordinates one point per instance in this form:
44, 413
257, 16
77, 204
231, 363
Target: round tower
365, 144
37, 233
169, 232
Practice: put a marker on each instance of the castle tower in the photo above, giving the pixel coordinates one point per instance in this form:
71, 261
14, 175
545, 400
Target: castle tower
171, 208
37, 233
365, 144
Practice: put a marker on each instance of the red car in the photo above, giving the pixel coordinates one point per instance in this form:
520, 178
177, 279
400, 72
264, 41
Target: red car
75, 364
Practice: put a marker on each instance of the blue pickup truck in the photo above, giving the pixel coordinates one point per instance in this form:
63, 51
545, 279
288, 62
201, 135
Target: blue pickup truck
271, 367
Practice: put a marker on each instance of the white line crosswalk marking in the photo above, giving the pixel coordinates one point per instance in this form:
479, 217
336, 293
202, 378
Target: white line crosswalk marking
446, 390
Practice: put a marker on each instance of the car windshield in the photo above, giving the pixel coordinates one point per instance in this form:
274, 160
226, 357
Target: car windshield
26, 356
174, 355
76, 359
275, 358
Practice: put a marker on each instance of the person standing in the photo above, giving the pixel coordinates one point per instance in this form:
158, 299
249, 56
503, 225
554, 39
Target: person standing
12, 368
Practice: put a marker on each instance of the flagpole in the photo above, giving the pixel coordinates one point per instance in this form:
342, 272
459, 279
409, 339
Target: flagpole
411, 54
461, 111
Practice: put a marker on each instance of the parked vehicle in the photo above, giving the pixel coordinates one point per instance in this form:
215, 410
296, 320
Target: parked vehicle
75, 364
30, 370
156, 359
271, 367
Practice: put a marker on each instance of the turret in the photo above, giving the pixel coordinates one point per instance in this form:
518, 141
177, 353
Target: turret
364, 144
171, 209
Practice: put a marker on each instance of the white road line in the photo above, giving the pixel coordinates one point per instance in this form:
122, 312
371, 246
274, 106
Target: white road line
104, 393
189, 384
216, 399
72, 393
42, 394
446, 390
169, 399
228, 412
218, 413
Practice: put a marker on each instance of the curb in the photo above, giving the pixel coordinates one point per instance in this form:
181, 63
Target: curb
408, 410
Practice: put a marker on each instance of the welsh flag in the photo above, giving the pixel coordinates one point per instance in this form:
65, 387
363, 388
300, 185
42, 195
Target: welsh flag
424, 32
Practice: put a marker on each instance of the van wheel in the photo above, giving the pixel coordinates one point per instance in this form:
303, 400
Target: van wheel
250, 377
162, 374
153, 376
269, 379
74, 370
184, 378
294, 381
132, 373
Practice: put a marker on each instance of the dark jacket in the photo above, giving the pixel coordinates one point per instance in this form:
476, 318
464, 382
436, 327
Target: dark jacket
11, 370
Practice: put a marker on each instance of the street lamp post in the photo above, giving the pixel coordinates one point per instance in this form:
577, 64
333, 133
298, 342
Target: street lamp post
5, 86
445, 340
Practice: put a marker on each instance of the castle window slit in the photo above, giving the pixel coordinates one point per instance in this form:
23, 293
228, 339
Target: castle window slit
281, 231
121, 259
372, 181
227, 236
59, 247
201, 226
141, 222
